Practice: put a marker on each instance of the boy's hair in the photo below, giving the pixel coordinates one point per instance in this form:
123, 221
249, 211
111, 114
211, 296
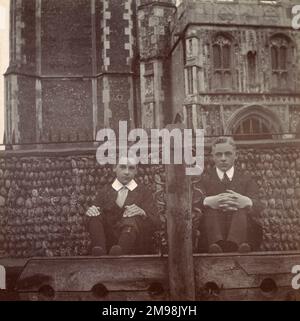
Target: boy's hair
223, 140
126, 160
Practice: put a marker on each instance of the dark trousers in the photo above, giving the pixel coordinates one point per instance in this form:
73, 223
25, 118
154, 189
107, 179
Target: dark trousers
226, 226
124, 233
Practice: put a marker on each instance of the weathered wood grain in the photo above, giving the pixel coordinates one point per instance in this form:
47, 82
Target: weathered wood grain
244, 271
89, 296
179, 218
217, 277
81, 274
13, 262
251, 294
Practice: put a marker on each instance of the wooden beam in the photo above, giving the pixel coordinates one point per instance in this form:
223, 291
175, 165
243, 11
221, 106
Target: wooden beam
90, 296
179, 225
250, 294
241, 272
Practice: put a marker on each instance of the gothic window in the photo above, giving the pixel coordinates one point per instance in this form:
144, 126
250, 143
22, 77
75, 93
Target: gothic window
251, 60
252, 128
222, 52
280, 62
190, 80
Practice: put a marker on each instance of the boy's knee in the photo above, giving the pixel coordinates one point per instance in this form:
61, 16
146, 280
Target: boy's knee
94, 222
132, 223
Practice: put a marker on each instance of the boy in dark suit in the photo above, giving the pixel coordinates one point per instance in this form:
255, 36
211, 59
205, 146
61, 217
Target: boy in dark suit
124, 215
229, 202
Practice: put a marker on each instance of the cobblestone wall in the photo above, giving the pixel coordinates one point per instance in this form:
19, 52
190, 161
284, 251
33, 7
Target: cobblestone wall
43, 199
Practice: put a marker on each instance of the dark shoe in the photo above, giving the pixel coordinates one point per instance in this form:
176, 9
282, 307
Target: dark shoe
244, 248
98, 251
116, 250
215, 248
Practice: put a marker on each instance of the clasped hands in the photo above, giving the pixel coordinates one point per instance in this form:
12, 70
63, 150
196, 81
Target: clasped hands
130, 211
228, 201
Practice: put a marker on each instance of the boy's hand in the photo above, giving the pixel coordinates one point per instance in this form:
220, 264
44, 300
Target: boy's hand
93, 211
223, 201
241, 200
133, 210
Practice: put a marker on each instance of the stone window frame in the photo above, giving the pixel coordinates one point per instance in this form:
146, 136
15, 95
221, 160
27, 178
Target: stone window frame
252, 69
281, 68
270, 118
222, 40
264, 131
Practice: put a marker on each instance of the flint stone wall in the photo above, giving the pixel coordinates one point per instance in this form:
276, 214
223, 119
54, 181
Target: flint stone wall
43, 198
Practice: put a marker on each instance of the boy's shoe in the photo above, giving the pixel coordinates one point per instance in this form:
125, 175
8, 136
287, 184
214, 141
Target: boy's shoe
98, 251
244, 248
215, 248
116, 250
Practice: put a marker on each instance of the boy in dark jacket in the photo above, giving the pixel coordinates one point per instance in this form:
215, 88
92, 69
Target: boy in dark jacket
229, 201
124, 215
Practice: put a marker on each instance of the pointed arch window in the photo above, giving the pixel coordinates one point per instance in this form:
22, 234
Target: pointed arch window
280, 52
252, 128
251, 61
222, 62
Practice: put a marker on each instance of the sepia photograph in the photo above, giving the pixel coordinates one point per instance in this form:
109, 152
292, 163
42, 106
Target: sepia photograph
150, 151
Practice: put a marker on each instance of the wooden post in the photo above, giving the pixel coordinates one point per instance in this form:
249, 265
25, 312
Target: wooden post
179, 223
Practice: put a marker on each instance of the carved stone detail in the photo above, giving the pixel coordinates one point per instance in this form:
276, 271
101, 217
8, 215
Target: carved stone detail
149, 86
294, 118
148, 115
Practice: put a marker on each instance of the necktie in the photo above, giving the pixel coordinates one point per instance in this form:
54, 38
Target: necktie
226, 179
122, 195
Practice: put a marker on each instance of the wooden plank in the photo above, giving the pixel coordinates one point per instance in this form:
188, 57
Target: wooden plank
21, 262
82, 274
244, 271
9, 296
181, 267
13, 262
249, 254
89, 296
269, 264
282, 294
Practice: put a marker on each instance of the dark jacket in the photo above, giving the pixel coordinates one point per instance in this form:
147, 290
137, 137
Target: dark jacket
210, 184
113, 220
241, 183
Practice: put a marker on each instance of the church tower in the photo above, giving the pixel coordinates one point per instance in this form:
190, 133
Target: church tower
71, 69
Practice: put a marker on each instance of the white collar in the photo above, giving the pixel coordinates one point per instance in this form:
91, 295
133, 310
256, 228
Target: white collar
229, 173
117, 185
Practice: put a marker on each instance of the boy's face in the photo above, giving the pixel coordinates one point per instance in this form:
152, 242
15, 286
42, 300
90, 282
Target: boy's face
224, 156
125, 171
